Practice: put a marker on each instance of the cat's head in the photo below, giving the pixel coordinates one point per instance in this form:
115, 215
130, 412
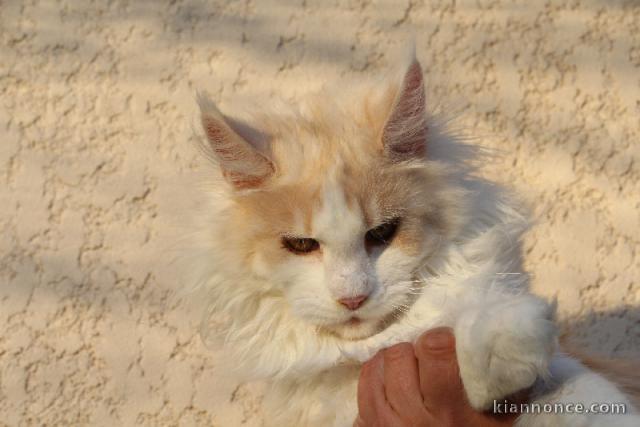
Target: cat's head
334, 205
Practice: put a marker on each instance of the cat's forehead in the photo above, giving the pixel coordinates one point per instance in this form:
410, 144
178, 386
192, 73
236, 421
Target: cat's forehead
331, 176
322, 136
346, 200
338, 197
338, 215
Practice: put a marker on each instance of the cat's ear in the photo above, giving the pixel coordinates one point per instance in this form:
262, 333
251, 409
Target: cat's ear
404, 135
236, 147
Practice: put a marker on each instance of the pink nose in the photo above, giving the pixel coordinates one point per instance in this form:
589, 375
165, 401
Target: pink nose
353, 303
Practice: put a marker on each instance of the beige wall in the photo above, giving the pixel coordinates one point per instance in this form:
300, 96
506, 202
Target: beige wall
96, 109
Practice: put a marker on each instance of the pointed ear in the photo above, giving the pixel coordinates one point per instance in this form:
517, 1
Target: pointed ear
236, 147
405, 131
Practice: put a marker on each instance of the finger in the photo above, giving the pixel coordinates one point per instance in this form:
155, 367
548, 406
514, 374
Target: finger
370, 384
402, 382
440, 381
374, 409
371, 391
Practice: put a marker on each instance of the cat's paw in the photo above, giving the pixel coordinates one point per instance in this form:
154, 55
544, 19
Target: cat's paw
504, 347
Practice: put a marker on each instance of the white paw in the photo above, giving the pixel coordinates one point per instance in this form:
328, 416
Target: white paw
503, 347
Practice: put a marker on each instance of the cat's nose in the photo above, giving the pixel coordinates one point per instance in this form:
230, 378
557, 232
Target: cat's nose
352, 303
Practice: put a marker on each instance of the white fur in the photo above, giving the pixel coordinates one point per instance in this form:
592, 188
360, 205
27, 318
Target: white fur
473, 282
348, 272
503, 333
570, 382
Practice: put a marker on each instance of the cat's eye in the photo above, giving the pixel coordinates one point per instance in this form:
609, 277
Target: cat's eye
300, 245
382, 234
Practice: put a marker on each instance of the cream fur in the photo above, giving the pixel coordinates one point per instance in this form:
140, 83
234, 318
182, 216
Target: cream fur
271, 309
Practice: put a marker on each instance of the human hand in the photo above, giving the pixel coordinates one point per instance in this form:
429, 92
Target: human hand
406, 386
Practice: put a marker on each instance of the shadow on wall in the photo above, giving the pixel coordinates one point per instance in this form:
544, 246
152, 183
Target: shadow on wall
616, 331
252, 30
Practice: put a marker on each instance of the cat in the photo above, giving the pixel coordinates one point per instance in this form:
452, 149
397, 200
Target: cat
350, 221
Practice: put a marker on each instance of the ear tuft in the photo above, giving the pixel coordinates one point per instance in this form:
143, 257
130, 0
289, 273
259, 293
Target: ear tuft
405, 132
234, 147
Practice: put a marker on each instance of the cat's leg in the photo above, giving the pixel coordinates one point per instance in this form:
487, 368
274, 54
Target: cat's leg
504, 346
574, 396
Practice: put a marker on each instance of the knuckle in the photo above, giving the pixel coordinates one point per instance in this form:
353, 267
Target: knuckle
398, 352
402, 387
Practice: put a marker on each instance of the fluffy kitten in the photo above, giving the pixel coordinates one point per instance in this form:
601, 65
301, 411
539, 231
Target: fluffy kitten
346, 223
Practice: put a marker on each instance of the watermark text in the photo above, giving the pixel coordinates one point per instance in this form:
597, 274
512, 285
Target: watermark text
506, 407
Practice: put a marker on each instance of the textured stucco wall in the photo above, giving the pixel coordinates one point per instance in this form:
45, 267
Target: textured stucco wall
96, 109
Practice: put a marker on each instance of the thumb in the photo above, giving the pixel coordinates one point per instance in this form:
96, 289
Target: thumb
440, 381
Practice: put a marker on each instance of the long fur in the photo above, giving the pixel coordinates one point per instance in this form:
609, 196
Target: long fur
336, 165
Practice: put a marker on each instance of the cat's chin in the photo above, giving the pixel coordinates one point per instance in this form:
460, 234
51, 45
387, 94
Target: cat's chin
353, 329
358, 328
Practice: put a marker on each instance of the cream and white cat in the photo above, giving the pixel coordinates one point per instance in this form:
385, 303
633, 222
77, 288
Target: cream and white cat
346, 223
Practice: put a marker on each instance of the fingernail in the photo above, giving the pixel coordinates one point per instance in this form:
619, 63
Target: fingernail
439, 340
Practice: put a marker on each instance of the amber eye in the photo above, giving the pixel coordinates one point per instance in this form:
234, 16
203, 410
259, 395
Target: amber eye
300, 245
382, 234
